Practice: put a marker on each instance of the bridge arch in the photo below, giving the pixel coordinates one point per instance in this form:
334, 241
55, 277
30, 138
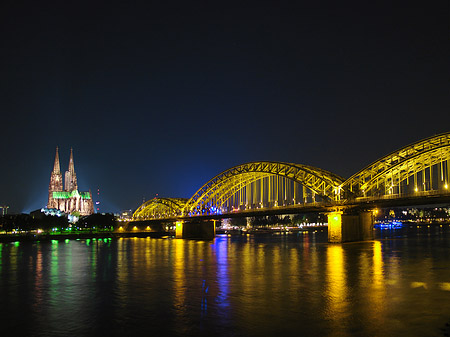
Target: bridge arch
419, 167
214, 194
160, 208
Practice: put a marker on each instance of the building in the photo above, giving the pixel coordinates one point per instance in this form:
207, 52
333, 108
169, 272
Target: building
69, 200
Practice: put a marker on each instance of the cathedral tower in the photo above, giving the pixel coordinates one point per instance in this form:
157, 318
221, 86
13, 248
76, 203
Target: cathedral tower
56, 184
70, 181
69, 200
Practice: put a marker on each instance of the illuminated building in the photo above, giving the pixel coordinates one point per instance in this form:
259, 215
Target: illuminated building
69, 200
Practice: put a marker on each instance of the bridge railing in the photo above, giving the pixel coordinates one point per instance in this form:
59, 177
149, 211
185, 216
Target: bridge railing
397, 195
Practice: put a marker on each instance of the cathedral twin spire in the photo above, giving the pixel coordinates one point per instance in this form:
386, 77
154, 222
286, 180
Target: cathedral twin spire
56, 167
70, 181
69, 200
70, 177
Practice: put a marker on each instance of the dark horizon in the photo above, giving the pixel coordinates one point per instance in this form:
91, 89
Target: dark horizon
159, 98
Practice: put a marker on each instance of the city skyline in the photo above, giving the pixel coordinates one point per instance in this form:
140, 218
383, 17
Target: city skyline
158, 99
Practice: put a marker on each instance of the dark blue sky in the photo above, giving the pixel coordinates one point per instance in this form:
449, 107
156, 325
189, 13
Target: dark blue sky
160, 96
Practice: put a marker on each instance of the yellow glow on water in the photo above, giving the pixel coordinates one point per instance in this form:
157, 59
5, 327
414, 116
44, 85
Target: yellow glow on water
179, 276
372, 275
378, 277
336, 289
419, 285
444, 286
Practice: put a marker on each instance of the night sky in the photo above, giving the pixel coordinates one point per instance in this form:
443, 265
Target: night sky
157, 97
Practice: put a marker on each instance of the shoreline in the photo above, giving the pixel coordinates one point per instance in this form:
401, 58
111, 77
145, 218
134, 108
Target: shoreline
7, 238
28, 237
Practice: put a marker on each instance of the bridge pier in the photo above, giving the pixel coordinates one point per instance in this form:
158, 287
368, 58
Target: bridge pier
195, 229
348, 228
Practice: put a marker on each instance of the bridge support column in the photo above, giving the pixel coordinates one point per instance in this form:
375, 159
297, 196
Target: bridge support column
195, 230
347, 228
179, 225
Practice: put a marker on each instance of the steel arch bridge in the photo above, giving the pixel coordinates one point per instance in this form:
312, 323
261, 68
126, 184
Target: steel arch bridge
160, 208
259, 183
417, 169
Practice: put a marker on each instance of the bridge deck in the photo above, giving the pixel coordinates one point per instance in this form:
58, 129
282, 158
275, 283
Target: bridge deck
324, 207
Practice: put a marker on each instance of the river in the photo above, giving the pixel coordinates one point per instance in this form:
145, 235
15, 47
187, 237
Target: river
249, 285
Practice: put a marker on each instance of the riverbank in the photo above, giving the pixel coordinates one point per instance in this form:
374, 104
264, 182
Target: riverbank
78, 236
161, 234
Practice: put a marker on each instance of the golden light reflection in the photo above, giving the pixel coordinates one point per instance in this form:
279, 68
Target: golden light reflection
275, 264
122, 269
373, 287
444, 286
336, 288
378, 282
378, 276
294, 268
419, 285
179, 276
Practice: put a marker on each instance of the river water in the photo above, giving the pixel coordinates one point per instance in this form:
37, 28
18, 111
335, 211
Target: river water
268, 285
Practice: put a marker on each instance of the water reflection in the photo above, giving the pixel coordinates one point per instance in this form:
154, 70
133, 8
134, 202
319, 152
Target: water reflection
229, 286
179, 278
220, 250
336, 287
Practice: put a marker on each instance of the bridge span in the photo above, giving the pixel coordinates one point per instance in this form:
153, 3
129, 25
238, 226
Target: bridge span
416, 174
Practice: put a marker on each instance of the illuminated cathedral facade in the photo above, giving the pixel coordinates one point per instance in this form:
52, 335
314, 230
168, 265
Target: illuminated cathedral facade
67, 198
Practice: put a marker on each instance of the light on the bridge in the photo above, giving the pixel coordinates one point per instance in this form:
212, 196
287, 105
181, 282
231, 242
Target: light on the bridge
179, 229
120, 228
335, 227
135, 228
416, 189
446, 186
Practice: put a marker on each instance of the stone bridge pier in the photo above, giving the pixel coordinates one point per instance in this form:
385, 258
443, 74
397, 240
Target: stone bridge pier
350, 227
195, 229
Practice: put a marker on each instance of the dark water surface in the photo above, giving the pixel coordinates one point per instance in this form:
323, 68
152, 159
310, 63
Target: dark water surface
274, 285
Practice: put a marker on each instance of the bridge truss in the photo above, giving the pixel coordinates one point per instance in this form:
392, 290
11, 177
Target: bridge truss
417, 168
158, 208
263, 184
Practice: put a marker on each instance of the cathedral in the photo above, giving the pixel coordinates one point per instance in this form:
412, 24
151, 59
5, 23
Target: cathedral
68, 200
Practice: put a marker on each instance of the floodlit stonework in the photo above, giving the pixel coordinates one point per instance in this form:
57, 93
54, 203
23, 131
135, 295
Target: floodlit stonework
69, 200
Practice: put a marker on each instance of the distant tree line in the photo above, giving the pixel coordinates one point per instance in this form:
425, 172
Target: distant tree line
28, 222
